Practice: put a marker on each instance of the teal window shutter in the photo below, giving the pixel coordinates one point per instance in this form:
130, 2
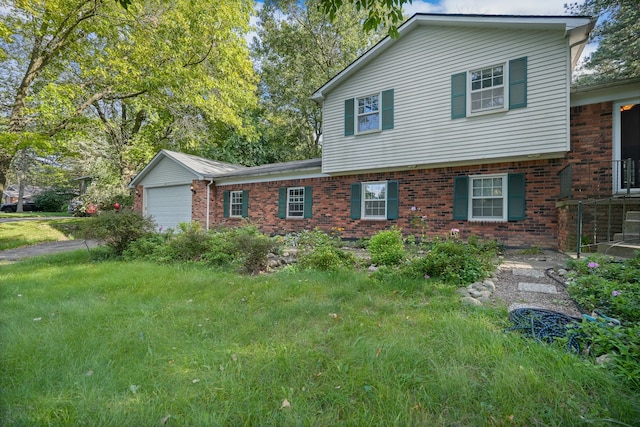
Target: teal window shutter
349, 120
245, 203
461, 198
282, 202
459, 95
387, 109
225, 202
308, 201
355, 200
518, 83
516, 200
392, 199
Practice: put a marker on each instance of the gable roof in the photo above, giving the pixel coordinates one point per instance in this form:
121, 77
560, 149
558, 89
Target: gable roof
202, 168
576, 28
275, 168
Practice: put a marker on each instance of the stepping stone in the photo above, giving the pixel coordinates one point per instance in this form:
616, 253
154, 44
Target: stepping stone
528, 272
537, 287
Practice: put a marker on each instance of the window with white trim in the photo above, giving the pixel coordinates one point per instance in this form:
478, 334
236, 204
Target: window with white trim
487, 88
235, 203
368, 113
488, 199
295, 202
374, 198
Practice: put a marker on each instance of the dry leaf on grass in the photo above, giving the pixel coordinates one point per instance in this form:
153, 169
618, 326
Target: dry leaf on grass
285, 404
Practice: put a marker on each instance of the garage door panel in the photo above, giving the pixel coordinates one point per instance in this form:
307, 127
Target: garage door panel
169, 206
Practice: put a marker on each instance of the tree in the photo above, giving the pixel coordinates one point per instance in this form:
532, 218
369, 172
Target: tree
129, 75
297, 51
618, 36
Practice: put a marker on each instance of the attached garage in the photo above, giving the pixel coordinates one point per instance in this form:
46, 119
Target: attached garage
169, 206
165, 188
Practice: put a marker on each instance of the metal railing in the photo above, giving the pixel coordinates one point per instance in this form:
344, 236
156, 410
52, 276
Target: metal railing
587, 179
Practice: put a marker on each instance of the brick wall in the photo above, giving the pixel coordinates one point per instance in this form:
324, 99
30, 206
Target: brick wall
199, 201
591, 150
431, 190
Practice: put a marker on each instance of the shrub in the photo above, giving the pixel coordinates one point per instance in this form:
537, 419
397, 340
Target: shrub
53, 200
387, 247
320, 251
453, 261
147, 248
118, 229
191, 243
251, 248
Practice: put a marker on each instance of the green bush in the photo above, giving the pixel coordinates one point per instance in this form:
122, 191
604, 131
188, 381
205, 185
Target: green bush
318, 250
387, 247
190, 244
610, 287
147, 248
118, 229
53, 200
251, 248
453, 261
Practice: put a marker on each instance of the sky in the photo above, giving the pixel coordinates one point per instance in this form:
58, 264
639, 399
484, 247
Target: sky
487, 7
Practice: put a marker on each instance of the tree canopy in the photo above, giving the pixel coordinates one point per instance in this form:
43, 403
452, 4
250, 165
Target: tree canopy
131, 78
618, 36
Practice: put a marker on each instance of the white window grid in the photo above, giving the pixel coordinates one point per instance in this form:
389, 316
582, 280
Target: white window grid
374, 200
235, 203
487, 88
295, 202
488, 198
368, 113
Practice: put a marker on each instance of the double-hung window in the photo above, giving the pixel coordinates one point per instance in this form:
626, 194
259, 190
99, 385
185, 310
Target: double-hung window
374, 199
368, 113
295, 202
235, 203
499, 197
487, 88
488, 197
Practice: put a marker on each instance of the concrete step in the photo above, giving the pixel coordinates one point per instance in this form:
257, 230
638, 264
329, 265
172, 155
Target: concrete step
631, 226
622, 250
626, 237
633, 215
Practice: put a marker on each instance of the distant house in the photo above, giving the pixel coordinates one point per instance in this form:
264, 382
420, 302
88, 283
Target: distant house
464, 121
10, 194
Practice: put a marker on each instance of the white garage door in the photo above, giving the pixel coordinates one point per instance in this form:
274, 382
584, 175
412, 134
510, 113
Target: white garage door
169, 206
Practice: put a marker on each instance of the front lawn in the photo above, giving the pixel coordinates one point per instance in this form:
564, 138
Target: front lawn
30, 232
134, 343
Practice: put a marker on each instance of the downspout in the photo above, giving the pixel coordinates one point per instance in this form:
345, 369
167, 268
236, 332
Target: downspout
208, 202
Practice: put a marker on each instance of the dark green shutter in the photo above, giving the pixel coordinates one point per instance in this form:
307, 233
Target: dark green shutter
459, 95
225, 202
308, 201
355, 200
387, 109
282, 202
518, 83
245, 203
461, 198
392, 199
349, 121
516, 200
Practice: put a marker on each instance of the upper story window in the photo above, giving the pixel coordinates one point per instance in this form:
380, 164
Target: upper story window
499, 87
487, 88
295, 202
368, 113
235, 203
371, 113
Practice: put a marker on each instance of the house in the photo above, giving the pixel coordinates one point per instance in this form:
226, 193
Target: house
464, 121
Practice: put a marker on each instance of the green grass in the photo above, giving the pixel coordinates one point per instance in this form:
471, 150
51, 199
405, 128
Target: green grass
24, 233
32, 214
114, 343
